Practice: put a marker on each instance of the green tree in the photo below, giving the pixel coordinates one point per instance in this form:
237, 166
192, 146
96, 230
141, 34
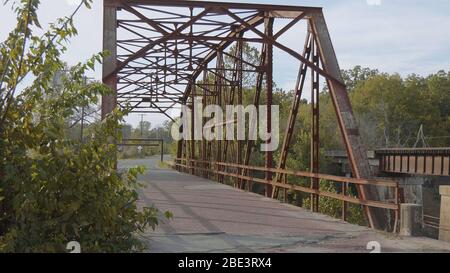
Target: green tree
250, 55
356, 75
53, 189
388, 113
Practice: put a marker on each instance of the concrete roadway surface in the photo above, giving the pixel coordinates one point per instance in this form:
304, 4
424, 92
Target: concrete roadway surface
210, 217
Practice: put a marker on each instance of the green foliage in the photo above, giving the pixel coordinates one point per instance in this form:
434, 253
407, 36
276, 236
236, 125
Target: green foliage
388, 113
333, 207
358, 74
54, 190
250, 55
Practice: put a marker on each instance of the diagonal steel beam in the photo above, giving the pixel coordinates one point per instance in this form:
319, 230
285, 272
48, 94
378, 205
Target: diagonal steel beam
294, 110
255, 21
347, 123
288, 50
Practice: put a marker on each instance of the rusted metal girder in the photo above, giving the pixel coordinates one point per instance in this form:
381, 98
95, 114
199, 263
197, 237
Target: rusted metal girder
315, 117
345, 117
294, 108
159, 49
110, 63
415, 161
268, 23
256, 101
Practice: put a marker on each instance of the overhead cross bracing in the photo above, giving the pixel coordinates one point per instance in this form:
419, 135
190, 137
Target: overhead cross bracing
164, 46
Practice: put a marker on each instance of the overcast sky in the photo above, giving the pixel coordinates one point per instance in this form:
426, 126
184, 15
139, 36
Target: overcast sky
394, 35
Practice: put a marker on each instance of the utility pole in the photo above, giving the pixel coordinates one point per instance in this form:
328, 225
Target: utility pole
82, 124
142, 126
85, 81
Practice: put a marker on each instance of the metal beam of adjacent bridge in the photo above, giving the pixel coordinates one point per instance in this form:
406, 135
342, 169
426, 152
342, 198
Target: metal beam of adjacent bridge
415, 161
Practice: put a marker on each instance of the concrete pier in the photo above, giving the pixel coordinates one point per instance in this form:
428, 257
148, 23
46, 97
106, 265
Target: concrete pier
444, 226
411, 220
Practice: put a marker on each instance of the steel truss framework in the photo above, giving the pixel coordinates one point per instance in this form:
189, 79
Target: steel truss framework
163, 53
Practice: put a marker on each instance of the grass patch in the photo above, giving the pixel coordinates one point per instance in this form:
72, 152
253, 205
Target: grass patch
165, 165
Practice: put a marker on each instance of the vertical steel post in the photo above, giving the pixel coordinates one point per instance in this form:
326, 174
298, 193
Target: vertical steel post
162, 150
269, 81
344, 203
110, 62
256, 99
315, 141
240, 48
219, 89
204, 144
180, 144
192, 140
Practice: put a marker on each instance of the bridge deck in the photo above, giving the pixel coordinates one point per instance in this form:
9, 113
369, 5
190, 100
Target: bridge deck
209, 217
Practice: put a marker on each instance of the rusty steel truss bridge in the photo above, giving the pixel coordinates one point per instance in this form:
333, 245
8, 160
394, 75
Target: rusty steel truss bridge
163, 53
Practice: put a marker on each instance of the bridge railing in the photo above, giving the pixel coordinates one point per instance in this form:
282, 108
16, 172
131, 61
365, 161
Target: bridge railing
242, 173
144, 142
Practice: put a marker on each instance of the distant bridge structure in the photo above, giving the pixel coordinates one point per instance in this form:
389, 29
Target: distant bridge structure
402, 161
416, 161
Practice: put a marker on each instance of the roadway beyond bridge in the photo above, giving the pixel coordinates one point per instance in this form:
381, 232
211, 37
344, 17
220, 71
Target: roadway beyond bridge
211, 217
